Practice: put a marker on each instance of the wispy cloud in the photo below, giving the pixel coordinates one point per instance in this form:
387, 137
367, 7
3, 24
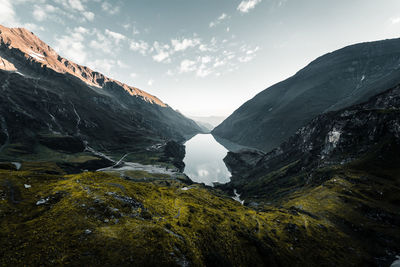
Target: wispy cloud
180, 45
140, 46
111, 9
88, 15
39, 13
117, 37
222, 17
71, 9
132, 27
76, 4
249, 54
187, 65
162, 52
246, 5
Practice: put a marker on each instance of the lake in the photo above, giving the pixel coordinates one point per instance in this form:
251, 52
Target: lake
204, 160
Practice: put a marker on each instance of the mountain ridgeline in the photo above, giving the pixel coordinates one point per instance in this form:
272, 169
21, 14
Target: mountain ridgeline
49, 102
336, 80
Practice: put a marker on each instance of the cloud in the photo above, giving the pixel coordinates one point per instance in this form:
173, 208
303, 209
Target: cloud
162, 52
200, 66
115, 35
222, 17
140, 46
101, 43
72, 45
184, 44
76, 4
73, 9
133, 75
109, 8
161, 56
43, 12
135, 30
32, 27
203, 71
7, 14
249, 54
38, 13
187, 66
88, 15
245, 59
150, 82
129, 26
9, 18
395, 20
122, 64
102, 65
246, 5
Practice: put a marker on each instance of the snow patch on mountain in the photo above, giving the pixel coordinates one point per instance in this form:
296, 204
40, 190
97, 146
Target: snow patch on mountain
36, 56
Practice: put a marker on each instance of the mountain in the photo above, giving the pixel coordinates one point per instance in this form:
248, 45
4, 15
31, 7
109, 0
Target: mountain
336, 80
327, 197
212, 121
49, 102
206, 127
341, 168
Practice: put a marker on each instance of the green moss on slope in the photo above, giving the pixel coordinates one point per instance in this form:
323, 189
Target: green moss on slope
102, 219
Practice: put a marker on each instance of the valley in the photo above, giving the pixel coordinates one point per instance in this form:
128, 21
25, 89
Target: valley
95, 172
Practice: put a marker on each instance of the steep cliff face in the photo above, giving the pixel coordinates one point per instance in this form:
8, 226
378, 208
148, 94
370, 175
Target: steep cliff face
336, 80
46, 100
342, 167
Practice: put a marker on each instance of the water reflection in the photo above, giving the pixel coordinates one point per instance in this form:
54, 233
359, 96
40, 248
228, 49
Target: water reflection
204, 160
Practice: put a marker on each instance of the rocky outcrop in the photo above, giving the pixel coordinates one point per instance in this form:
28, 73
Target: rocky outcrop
334, 138
174, 153
242, 161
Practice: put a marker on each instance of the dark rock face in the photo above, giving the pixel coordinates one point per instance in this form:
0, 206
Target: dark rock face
174, 152
70, 144
242, 161
334, 138
334, 81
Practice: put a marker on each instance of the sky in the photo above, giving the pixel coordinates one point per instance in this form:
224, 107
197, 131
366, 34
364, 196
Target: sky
202, 57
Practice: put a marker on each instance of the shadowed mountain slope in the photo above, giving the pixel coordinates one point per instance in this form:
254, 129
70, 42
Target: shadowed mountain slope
334, 81
49, 101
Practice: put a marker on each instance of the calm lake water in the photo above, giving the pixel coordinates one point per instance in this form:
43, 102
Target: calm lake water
203, 160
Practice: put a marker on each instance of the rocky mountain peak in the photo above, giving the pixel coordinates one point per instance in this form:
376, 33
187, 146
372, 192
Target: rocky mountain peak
18, 45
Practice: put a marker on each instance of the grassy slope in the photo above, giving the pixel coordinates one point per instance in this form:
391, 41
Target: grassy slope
158, 223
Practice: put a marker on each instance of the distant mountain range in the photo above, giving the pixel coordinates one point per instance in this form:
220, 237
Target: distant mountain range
209, 122
334, 81
49, 102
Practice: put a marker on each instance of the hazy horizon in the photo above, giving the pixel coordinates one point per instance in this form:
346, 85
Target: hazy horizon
202, 58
